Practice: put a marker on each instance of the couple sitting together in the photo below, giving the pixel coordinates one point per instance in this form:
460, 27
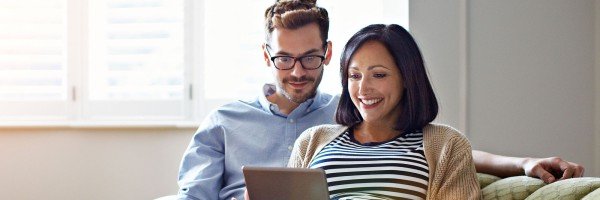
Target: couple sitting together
383, 145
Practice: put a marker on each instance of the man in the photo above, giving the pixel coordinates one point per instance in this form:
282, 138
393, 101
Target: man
262, 132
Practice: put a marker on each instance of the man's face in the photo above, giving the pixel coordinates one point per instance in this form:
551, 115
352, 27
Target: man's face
297, 84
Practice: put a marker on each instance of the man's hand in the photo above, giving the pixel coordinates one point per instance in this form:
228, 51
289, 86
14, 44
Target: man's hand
549, 169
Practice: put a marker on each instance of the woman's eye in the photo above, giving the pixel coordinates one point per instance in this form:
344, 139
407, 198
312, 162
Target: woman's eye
354, 76
379, 75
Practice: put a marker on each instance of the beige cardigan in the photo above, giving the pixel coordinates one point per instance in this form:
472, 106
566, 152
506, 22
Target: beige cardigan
448, 154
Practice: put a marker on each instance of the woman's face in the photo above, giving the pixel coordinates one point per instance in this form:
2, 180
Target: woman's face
375, 83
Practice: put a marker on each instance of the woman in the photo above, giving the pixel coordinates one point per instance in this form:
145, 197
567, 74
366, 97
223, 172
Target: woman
385, 146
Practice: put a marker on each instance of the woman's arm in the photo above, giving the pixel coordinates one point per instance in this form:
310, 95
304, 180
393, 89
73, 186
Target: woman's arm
543, 168
299, 151
296, 159
455, 177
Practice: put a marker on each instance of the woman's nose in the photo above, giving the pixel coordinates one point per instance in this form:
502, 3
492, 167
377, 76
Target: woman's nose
364, 86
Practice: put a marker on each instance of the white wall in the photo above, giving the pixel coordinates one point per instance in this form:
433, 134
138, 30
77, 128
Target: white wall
94, 164
529, 73
531, 78
436, 27
597, 99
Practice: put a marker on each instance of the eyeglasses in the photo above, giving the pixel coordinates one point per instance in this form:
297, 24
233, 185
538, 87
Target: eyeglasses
308, 62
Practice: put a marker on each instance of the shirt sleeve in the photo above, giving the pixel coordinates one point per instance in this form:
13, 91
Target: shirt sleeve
202, 166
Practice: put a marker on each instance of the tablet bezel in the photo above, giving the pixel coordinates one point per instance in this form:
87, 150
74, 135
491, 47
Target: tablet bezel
265, 183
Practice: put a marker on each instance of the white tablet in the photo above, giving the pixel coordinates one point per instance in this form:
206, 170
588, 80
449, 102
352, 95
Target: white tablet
266, 183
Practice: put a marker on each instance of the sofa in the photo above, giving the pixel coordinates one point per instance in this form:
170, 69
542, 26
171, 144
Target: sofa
523, 187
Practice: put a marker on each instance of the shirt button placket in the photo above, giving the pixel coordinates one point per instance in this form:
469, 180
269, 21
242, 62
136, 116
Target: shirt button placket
290, 137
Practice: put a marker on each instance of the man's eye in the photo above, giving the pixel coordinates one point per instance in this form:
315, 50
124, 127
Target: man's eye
284, 59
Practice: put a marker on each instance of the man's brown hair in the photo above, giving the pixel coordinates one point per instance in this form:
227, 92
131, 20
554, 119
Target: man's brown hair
293, 14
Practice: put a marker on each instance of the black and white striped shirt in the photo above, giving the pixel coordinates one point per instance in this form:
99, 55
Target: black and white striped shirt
395, 169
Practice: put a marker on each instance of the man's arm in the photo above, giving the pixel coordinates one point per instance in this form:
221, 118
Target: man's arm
544, 168
202, 166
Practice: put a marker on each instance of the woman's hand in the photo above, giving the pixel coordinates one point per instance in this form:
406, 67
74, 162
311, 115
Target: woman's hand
246, 196
548, 169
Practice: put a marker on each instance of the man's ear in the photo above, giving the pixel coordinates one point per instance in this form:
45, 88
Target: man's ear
266, 55
328, 53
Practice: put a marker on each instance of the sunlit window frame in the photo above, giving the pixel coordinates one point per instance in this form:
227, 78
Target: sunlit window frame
79, 111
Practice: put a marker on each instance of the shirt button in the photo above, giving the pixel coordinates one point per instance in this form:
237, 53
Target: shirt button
290, 148
292, 121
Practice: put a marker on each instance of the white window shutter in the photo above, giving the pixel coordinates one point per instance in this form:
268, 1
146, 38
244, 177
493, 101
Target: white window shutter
136, 65
33, 67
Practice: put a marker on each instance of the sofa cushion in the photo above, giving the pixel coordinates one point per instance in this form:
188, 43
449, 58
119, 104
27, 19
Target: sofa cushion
518, 187
592, 195
486, 179
573, 188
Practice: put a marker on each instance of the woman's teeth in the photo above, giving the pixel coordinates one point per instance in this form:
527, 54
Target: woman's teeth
370, 101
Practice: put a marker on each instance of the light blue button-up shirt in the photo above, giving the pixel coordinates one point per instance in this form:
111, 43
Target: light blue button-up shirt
245, 133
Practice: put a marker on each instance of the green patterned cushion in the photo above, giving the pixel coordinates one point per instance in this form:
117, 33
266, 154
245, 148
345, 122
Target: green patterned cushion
595, 195
574, 188
486, 179
518, 187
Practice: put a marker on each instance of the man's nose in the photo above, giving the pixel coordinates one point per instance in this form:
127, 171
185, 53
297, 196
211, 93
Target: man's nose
298, 70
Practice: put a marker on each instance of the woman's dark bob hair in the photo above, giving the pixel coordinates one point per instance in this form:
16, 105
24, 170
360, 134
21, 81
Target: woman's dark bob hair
419, 104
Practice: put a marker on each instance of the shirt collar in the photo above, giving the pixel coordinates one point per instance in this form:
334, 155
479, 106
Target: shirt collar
303, 108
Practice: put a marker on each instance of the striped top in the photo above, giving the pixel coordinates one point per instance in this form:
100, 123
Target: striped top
396, 169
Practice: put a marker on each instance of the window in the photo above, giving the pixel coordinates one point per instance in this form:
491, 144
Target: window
136, 60
33, 69
32, 50
73, 60
136, 50
147, 60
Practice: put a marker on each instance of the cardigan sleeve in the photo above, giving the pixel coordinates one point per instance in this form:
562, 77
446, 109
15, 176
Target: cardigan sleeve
457, 171
301, 146
298, 156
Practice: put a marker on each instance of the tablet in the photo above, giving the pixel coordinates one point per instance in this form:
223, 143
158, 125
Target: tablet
266, 183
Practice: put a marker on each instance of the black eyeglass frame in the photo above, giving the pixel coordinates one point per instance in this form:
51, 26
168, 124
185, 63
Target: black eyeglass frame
296, 59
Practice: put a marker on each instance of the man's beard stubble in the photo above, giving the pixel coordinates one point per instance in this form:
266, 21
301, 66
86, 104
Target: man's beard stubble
302, 97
